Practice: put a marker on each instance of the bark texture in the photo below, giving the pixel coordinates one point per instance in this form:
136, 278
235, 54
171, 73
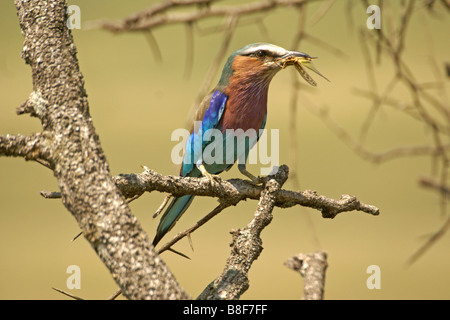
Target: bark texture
70, 146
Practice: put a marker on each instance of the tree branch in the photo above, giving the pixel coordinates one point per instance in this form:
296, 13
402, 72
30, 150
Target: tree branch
32, 147
229, 192
435, 185
157, 15
232, 192
70, 143
236, 190
246, 246
312, 267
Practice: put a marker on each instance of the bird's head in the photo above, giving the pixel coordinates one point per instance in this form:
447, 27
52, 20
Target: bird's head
261, 61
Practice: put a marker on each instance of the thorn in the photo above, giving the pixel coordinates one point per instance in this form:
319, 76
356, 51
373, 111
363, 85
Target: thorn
179, 253
67, 294
190, 241
50, 194
162, 206
76, 237
115, 295
134, 197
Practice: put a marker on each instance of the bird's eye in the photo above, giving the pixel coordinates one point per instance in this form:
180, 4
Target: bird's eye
260, 54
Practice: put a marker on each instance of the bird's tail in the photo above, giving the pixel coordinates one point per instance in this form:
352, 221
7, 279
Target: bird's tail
175, 210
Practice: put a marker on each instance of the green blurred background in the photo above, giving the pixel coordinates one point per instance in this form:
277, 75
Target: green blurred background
136, 102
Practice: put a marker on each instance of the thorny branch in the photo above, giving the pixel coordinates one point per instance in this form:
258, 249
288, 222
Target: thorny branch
235, 190
246, 245
229, 192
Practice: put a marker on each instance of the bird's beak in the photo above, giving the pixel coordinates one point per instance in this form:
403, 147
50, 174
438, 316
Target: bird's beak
295, 54
292, 57
299, 60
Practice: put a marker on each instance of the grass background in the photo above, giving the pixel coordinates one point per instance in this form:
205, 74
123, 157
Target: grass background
136, 102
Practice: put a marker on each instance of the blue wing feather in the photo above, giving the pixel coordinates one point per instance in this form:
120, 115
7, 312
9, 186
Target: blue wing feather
194, 148
214, 112
197, 141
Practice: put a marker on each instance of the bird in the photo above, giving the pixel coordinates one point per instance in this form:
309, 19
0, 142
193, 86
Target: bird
239, 101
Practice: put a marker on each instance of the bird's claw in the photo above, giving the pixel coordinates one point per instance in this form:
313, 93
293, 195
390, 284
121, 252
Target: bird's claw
256, 180
212, 177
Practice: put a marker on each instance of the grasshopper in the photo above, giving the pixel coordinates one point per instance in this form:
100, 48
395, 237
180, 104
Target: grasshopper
299, 63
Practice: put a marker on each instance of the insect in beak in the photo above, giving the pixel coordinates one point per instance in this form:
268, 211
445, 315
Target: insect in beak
300, 60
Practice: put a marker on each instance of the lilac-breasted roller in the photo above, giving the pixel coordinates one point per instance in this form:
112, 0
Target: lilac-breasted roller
239, 101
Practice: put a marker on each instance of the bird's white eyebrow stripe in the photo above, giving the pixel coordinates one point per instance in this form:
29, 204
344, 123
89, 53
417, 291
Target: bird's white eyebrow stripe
274, 49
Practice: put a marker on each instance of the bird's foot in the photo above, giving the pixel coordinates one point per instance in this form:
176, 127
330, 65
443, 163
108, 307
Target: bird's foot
212, 177
260, 179
255, 180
